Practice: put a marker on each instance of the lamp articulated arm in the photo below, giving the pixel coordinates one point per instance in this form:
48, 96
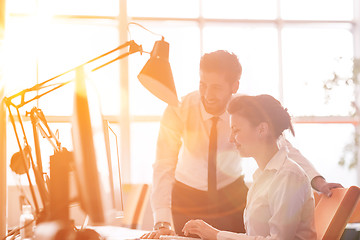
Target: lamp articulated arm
156, 76
133, 48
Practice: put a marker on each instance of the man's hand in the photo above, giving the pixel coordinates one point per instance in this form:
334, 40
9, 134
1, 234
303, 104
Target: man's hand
200, 228
320, 185
155, 234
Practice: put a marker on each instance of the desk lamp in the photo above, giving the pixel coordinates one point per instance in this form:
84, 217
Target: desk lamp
156, 76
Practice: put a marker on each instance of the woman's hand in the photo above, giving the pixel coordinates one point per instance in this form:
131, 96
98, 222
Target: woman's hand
200, 228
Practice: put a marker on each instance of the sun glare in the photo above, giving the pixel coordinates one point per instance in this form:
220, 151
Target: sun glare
287, 49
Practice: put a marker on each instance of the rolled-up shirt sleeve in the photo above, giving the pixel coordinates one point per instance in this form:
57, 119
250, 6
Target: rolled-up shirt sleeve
296, 155
168, 146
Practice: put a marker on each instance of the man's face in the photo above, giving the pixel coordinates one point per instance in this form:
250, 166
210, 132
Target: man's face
215, 91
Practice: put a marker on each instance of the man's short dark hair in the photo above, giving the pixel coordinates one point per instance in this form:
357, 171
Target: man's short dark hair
222, 61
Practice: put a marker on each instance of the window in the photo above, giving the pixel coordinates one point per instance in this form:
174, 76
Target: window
255, 46
317, 10
287, 48
309, 58
239, 9
324, 149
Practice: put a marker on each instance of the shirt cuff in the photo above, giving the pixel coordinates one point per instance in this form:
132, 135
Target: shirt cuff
312, 173
162, 215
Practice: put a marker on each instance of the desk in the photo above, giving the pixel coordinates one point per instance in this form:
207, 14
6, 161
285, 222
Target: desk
51, 230
108, 232
117, 233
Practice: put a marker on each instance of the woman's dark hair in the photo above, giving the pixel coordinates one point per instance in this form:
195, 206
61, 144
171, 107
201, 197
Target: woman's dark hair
262, 108
222, 62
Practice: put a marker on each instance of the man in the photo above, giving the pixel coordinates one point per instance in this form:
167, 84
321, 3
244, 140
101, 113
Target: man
182, 188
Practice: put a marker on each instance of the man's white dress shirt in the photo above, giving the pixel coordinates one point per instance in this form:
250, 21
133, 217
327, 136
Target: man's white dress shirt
280, 203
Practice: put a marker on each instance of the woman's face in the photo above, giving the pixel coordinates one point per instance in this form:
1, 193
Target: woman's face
244, 135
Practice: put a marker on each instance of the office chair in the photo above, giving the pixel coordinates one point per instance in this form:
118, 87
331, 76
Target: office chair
332, 214
355, 217
317, 196
136, 198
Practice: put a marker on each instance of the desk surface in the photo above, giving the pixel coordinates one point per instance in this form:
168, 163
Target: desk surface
51, 230
108, 232
118, 233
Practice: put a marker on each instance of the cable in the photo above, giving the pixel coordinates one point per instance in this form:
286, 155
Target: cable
20, 188
15, 236
17, 229
143, 28
137, 24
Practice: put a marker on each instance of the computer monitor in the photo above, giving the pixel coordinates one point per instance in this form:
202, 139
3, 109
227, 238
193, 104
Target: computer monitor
92, 171
113, 157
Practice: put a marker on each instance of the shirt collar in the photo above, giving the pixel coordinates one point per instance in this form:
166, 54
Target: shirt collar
206, 116
277, 160
275, 163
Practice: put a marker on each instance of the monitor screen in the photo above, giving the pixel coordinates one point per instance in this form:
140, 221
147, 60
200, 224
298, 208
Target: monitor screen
113, 157
92, 171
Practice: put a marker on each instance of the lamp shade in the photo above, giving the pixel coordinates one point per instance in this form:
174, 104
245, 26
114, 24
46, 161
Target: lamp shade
156, 76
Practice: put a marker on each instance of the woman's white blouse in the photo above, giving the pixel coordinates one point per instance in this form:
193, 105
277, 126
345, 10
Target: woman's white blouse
280, 203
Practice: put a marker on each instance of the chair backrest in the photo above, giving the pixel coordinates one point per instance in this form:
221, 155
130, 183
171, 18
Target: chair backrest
355, 217
136, 198
332, 214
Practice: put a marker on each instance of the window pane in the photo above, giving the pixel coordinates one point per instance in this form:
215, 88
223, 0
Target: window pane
115, 150
318, 9
46, 148
257, 49
12, 147
65, 7
309, 57
83, 7
184, 59
163, 8
239, 9
21, 6
325, 152
69, 44
143, 150
20, 66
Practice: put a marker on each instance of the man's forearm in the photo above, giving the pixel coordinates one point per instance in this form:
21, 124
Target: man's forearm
321, 185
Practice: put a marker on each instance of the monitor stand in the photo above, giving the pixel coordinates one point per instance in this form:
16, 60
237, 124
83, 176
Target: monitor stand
59, 225
57, 230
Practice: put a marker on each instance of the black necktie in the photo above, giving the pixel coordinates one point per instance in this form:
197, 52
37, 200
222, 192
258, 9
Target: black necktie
212, 157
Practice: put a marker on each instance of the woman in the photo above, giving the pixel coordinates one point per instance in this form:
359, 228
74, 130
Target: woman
280, 203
